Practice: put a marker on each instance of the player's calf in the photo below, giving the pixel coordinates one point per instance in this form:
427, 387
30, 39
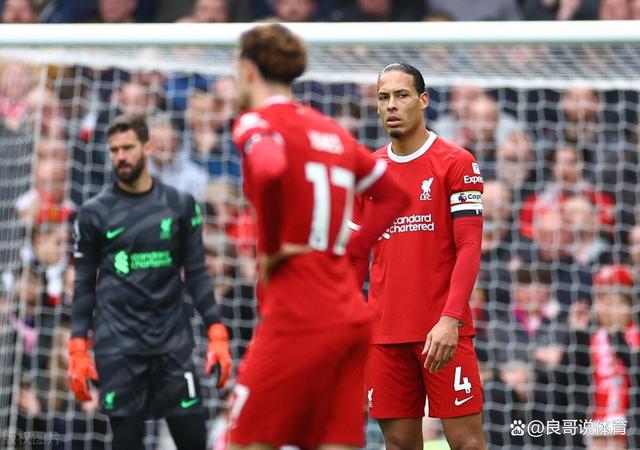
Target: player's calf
464, 433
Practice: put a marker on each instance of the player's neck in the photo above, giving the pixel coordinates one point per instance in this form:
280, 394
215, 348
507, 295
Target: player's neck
409, 143
268, 91
143, 183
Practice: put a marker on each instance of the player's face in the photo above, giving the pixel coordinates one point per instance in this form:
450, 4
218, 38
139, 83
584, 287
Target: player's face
128, 155
399, 105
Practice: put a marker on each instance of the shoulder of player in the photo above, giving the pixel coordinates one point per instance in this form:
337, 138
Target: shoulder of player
177, 200
100, 203
251, 120
451, 152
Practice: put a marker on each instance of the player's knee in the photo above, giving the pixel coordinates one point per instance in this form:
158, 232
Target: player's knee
468, 443
398, 441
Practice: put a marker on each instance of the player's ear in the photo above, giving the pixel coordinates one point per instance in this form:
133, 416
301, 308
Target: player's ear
249, 70
424, 99
147, 148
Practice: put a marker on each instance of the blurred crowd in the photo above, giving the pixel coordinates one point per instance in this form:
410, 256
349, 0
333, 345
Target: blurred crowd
556, 302
121, 11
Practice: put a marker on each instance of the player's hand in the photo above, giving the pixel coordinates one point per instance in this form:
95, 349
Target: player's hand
218, 353
81, 367
270, 263
441, 343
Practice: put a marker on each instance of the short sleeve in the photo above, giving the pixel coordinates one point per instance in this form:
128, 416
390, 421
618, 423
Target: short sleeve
368, 169
465, 184
247, 128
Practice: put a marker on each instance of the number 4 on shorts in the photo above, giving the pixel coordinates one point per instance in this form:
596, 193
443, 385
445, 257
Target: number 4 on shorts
461, 383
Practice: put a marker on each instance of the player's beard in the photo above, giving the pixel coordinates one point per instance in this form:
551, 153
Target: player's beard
133, 174
395, 134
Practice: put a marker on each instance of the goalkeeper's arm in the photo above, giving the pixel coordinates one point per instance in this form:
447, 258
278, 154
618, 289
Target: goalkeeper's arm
199, 285
81, 364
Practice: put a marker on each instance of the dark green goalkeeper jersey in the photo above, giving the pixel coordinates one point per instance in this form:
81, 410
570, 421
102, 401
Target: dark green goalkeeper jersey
135, 254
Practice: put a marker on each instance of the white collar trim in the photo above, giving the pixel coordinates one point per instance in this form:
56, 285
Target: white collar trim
277, 99
415, 155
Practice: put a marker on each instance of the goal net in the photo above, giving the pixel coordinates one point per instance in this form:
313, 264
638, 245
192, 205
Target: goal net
550, 110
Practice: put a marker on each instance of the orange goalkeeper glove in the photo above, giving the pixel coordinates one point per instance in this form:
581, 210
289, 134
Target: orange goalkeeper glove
218, 353
81, 367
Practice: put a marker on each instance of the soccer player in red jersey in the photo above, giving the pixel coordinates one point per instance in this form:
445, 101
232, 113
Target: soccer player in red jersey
423, 271
302, 381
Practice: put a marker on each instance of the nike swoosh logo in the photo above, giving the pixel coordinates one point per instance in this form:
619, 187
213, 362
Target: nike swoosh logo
110, 234
189, 403
460, 402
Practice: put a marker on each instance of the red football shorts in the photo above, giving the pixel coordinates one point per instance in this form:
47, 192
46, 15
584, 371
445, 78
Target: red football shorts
302, 390
398, 383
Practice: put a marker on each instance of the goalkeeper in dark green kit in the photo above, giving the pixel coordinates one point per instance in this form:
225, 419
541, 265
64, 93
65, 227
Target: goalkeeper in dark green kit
138, 244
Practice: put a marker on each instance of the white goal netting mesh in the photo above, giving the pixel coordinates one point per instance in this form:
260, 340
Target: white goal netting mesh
555, 130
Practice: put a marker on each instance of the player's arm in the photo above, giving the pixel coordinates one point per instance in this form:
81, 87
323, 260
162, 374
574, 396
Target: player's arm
465, 193
199, 285
86, 254
360, 263
388, 199
265, 166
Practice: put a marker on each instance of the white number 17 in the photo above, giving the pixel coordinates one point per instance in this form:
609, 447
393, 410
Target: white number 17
322, 179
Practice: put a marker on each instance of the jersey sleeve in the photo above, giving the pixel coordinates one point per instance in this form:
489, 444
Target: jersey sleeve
368, 170
86, 252
196, 276
247, 128
465, 185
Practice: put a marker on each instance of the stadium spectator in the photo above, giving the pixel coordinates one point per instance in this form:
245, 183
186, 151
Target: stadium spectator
588, 247
208, 11
532, 331
48, 200
473, 116
498, 209
19, 11
16, 80
605, 356
550, 249
516, 164
379, 11
232, 217
117, 11
168, 11
567, 180
560, 9
615, 10
43, 107
295, 10
494, 278
201, 136
486, 10
634, 252
171, 165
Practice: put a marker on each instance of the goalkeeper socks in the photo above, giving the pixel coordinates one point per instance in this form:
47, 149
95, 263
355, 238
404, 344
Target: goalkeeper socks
128, 433
189, 432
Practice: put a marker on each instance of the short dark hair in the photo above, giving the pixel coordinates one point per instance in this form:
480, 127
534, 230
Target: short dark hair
418, 80
279, 54
126, 122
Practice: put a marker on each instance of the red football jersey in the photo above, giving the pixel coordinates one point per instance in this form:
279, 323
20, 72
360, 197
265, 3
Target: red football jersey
414, 258
325, 167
